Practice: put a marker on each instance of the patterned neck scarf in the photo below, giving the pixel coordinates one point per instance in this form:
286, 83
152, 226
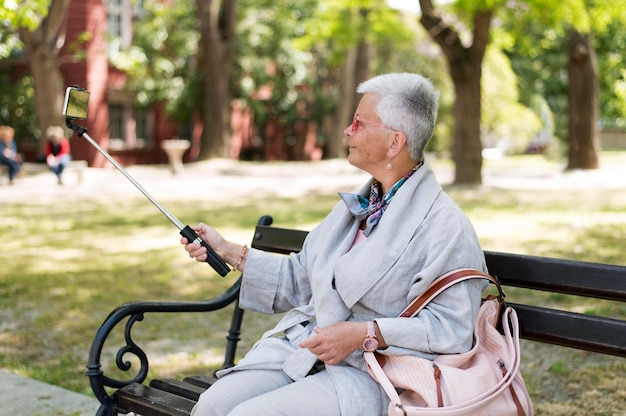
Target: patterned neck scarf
372, 209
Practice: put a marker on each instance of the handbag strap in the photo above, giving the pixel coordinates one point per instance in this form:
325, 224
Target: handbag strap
511, 332
442, 283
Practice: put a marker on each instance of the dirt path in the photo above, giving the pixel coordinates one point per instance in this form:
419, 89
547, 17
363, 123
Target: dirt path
231, 179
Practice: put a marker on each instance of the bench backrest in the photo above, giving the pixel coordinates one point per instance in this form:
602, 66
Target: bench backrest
570, 329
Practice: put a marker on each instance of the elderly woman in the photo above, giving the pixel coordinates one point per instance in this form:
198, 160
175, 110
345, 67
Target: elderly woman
57, 151
358, 269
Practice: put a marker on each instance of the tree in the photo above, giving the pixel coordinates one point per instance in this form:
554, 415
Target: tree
289, 71
215, 57
348, 59
583, 75
182, 55
506, 124
41, 31
17, 107
465, 68
583, 111
277, 81
571, 29
351, 37
610, 46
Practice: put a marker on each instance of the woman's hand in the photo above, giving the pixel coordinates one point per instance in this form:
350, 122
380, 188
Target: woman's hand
232, 253
51, 161
335, 342
210, 236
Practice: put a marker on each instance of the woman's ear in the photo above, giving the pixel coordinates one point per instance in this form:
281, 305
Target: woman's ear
398, 142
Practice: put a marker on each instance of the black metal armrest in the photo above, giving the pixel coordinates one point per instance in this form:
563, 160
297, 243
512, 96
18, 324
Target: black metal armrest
134, 312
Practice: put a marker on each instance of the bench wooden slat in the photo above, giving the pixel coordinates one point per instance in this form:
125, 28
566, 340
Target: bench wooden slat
145, 400
179, 388
200, 381
604, 281
574, 330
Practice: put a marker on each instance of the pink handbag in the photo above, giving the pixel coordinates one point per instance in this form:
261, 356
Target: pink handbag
483, 381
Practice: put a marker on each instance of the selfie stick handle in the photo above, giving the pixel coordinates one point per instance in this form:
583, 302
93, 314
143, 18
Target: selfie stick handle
213, 259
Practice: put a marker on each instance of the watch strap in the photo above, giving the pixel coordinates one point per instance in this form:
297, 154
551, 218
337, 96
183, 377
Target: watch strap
371, 330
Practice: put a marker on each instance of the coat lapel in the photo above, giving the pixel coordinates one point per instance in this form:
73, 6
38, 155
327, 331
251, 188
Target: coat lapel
372, 259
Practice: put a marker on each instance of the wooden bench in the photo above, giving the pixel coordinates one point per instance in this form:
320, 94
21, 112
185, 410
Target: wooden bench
177, 397
76, 166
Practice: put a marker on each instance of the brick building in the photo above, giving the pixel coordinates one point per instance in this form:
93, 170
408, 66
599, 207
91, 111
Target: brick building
129, 134
134, 135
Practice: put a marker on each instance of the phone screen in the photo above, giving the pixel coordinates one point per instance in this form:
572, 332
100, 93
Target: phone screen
76, 103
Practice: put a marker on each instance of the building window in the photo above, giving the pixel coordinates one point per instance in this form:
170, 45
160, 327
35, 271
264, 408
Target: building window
144, 121
138, 9
114, 18
129, 127
120, 16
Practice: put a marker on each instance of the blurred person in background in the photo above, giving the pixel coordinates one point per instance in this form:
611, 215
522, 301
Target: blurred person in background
8, 152
57, 151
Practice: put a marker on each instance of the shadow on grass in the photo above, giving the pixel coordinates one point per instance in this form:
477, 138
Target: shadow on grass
66, 266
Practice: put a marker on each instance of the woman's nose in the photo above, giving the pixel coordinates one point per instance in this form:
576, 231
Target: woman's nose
348, 131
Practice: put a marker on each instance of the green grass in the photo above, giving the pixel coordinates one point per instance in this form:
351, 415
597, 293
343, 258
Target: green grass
65, 266
82, 260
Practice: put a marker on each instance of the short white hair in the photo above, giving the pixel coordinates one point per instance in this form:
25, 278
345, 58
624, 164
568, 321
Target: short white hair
408, 103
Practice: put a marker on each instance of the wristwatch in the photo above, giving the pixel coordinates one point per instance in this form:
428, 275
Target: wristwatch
370, 343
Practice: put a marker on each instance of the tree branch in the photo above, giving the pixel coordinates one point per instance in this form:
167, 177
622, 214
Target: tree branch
482, 27
446, 37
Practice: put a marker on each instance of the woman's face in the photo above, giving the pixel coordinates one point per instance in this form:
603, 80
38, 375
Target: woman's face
368, 139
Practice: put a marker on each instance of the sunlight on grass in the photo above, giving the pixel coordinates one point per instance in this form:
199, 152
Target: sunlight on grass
83, 260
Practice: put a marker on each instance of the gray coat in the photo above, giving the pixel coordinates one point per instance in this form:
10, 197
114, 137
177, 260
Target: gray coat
422, 235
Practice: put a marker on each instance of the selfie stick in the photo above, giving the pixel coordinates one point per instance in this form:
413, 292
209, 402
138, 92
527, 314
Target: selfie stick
186, 231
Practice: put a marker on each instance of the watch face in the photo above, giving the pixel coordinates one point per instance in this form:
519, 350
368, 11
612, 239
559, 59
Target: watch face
370, 344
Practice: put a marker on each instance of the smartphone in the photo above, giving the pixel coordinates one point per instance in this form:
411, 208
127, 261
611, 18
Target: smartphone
76, 103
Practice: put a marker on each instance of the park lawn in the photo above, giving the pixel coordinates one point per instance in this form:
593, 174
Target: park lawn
77, 262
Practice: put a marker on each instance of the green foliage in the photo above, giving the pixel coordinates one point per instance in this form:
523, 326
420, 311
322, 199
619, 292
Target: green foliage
611, 52
292, 49
337, 26
504, 120
23, 13
273, 74
562, 16
466, 10
17, 106
536, 43
160, 64
16, 14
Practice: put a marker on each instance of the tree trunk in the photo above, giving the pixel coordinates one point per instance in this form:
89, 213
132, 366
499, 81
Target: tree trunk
356, 69
362, 69
42, 47
583, 103
467, 151
217, 35
336, 148
464, 64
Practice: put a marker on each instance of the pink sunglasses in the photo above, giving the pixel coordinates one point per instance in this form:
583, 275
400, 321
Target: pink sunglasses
357, 119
